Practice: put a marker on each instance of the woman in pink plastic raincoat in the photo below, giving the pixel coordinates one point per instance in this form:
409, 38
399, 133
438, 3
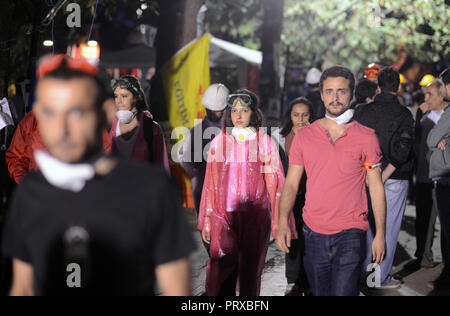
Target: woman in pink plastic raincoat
240, 200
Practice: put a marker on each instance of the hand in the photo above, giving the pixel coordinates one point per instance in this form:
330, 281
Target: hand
378, 249
206, 235
284, 236
424, 107
442, 145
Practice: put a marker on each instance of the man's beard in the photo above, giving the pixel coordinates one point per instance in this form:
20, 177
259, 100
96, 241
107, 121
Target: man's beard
337, 114
93, 150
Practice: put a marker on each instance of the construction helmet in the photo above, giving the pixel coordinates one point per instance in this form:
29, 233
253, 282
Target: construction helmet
313, 76
371, 72
215, 97
426, 80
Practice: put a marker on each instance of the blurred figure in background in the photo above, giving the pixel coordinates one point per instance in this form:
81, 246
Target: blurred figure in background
192, 151
365, 92
439, 145
394, 127
298, 116
313, 79
425, 214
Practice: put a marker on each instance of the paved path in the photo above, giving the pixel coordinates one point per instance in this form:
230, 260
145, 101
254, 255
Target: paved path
274, 282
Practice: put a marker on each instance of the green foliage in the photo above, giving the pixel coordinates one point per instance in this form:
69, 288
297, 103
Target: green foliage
355, 33
349, 32
238, 21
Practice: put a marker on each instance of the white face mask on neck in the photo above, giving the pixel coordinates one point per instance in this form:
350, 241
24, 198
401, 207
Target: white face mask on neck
125, 117
344, 118
71, 177
244, 134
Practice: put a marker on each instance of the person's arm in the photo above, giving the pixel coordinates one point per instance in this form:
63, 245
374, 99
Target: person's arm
287, 201
174, 278
17, 159
440, 131
207, 204
378, 197
388, 172
22, 284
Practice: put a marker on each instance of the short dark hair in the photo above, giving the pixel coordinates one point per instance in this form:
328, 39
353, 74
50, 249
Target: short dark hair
445, 76
418, 97
338, 71
389, 79
65, 73
365, 89
287, 121
257, 117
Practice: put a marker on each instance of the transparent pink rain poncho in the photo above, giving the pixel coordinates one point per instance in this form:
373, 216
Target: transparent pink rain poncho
240, 203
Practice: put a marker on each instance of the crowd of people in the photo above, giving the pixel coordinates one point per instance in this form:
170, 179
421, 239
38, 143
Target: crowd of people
92, 185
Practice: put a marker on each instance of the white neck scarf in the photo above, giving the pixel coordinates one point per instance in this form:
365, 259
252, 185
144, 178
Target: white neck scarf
72, 177
344, 118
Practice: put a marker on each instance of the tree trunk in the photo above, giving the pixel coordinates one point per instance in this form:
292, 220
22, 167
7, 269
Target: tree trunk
271, 46
5, 22
177, 27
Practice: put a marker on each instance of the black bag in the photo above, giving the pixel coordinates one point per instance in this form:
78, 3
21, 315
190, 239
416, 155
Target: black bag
148, 135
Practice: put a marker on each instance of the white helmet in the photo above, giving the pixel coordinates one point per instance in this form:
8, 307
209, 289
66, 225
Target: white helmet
215, 97
313, 76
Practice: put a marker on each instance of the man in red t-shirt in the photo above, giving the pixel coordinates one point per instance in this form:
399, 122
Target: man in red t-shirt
340, 157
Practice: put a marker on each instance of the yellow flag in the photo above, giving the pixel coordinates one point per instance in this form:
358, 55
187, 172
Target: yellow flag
186, 77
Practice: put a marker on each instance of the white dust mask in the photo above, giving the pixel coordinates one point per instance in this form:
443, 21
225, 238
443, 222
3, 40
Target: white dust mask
344, 118
72, 177
125, 117
244, 134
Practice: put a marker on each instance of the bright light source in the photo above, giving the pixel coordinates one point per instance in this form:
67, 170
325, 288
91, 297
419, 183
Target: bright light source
48, 43
92, 43
90, 52
139, 12
144, 6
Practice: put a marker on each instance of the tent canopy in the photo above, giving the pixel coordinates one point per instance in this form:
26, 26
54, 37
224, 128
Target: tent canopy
221, 54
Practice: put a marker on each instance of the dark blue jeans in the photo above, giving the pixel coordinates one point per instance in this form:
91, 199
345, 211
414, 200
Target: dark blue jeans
333, 263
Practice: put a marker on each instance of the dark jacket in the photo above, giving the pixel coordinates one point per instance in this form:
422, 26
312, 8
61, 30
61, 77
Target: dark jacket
423, 165
192, 159
394, 126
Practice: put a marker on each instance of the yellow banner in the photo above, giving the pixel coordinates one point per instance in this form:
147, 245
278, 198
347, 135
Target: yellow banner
186, 77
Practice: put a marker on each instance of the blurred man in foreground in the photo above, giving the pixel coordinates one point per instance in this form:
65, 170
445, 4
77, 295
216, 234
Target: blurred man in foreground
88, 223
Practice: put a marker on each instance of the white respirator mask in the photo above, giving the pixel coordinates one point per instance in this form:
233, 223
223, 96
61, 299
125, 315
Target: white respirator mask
244, 134
344, 118
125, 117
